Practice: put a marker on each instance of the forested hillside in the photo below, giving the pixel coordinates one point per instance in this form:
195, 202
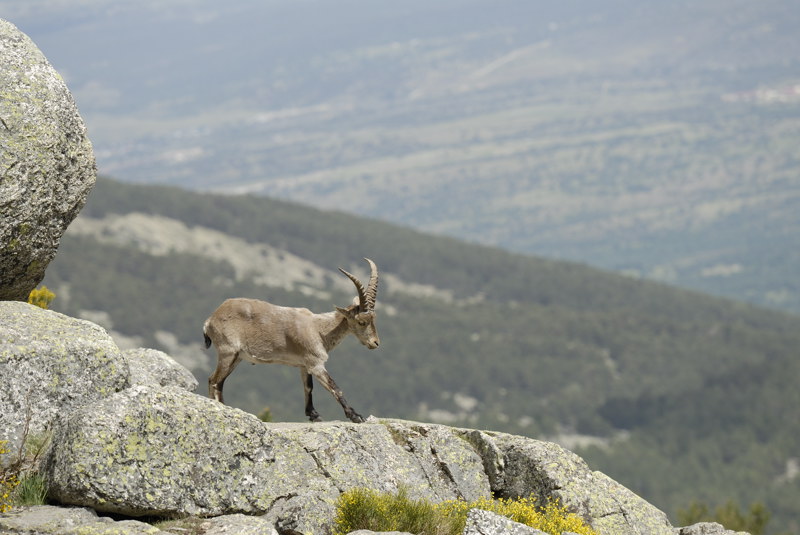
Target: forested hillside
684, 396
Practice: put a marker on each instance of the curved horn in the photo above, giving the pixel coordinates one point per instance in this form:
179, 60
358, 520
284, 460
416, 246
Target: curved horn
372, 287
362, 296
366, 298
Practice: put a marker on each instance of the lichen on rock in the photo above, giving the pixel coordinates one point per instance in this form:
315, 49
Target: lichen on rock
160, 451
49, 364
165, 451
129, 437
552, 472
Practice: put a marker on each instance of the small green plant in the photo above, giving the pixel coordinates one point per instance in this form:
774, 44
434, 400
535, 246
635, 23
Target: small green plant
20, 483
41, 297
551, 517
729, 515
265, 415
367, 509
31, 490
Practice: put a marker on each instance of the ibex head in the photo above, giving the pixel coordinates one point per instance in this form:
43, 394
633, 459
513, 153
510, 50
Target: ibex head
361, 314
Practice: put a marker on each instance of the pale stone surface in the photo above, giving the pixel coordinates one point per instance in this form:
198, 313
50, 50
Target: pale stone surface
47, 166
153, 367
49, 520
551, 472
164, 451
49, 364
238, 524
480, 522
707, 528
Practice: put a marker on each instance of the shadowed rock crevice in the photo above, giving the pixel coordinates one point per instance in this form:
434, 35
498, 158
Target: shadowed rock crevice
492, 457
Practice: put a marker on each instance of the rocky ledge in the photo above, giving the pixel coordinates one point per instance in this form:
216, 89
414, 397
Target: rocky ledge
129, 437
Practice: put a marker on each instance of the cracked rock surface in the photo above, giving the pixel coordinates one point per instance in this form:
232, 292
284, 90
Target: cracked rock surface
151, 450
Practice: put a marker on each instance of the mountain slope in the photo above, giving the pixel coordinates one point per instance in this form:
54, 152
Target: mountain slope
655, 138
470, 335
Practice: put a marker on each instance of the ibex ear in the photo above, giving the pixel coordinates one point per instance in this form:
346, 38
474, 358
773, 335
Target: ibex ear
348, 312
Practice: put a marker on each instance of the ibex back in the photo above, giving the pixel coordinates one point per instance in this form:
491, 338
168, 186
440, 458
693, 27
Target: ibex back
263, 333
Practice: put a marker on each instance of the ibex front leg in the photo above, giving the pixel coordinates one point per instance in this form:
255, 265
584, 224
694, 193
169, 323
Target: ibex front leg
227, 359
322, 375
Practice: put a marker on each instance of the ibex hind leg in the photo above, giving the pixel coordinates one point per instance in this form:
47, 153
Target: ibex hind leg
226, 363
308, 386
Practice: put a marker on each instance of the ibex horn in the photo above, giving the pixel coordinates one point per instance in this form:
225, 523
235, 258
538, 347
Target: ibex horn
372, 287
366, 298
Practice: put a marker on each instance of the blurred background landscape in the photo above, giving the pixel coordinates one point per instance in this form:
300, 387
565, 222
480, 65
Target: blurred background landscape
490, 156
656, 139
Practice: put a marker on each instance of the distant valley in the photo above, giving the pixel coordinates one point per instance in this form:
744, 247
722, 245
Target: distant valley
659, 141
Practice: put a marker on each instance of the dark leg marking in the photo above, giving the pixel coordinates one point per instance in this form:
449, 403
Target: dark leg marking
330, 385
308, 386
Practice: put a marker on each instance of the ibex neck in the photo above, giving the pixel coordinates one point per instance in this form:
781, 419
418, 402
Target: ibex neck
332, 328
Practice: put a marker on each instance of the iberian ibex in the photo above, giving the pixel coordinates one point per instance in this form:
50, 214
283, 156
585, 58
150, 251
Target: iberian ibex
261, 332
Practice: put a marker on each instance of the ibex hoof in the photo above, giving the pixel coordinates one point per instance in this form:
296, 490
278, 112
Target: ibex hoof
356, 418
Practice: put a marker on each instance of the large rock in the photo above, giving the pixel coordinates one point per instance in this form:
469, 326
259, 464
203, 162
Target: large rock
50, 364
550, 471
47, 167
153, 367
52, 520
164, 451
152, 450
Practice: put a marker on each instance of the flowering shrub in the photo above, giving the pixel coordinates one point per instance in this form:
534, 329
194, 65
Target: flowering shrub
41, 297
550, 518
8, 480
368, 509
